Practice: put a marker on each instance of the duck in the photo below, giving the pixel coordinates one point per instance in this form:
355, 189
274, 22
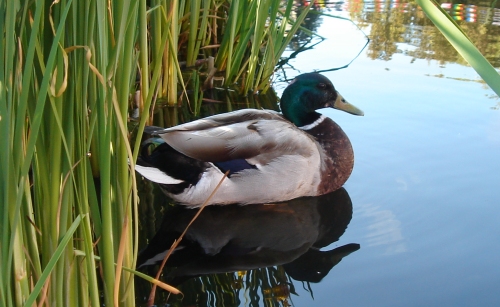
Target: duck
257, 156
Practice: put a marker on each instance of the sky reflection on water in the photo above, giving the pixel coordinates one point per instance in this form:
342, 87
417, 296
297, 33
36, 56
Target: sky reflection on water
425, 183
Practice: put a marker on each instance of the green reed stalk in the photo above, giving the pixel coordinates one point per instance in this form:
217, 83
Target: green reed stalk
9, 175
170, 54
277, 42
256, 36
67, 72
229, 39
64, 92
261, 16
194, 16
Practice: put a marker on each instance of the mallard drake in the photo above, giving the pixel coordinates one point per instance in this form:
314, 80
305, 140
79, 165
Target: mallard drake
270, 156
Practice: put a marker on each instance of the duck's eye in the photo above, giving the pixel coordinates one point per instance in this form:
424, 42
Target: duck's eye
322, 86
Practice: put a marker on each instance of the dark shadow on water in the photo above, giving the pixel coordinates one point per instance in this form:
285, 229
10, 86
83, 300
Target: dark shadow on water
255, 248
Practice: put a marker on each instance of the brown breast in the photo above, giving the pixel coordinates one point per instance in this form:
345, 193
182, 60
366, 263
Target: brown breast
338, 156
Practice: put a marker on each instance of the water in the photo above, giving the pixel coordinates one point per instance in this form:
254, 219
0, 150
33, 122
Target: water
425, 187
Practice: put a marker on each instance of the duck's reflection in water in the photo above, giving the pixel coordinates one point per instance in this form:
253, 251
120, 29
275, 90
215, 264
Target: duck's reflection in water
238, 238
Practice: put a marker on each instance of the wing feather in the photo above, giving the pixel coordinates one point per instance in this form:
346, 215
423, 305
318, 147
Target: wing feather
255, 135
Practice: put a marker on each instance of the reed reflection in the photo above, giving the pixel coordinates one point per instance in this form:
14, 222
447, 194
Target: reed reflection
241, 238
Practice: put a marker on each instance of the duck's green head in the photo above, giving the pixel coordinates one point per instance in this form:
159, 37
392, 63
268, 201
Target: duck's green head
308, 93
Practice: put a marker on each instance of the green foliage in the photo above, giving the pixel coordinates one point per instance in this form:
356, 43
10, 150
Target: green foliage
257, 35
66, 184
68, 200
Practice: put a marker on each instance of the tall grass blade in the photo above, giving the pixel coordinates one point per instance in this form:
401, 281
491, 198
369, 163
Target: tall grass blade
67, 72
52, 262
192, 51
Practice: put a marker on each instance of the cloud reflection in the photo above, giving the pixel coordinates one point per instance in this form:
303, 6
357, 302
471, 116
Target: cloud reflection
384, 229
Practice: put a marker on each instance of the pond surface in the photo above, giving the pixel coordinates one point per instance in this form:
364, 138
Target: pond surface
425, 189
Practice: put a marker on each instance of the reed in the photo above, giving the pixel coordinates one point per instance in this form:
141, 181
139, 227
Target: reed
68, 197
66, 180
256, 36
